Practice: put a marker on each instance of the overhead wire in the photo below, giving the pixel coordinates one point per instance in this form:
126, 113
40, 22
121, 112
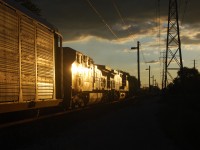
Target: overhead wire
118, 11
156, 13
159, 33
102, 19
123, 21
157, 20
159, 36
145, 62
184, 11
180, 6
120, 15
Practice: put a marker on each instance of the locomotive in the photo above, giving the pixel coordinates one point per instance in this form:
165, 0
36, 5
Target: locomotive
36, 71
85, 82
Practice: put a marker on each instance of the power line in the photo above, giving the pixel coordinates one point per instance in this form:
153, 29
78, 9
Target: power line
123, 21
159, 36
185, 9
118, 11
143, 57
180, 6
120, 15
159, 23
102, 19
158, 33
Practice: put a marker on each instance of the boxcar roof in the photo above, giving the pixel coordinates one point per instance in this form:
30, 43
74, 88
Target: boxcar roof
27, 12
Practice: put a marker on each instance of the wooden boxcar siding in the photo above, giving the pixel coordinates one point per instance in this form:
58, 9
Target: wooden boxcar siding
26, 58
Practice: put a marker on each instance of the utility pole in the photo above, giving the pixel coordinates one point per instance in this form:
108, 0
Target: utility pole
138, 61
149, 77
194, 64
153, 80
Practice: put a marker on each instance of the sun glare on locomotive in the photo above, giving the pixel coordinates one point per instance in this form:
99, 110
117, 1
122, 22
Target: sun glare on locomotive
77, 69
74, 68
39, 79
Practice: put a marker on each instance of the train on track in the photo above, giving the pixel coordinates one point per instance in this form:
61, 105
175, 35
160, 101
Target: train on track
36, 71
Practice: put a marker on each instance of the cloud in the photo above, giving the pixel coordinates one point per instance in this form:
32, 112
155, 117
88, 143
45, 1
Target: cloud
85, 31
121, 27
190, 41
76, 18
126, 50
197, 36
152, 62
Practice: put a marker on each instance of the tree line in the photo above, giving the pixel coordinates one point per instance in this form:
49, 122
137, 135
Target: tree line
186, 83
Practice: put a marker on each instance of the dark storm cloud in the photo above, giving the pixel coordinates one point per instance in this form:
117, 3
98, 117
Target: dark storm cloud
189, 40
192, 12
75, 18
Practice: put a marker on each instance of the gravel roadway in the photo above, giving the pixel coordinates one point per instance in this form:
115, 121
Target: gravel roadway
126, 125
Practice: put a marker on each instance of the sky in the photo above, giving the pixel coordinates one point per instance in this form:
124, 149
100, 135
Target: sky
106, 30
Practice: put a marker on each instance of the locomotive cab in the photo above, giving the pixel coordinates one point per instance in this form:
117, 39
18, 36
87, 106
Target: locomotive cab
77, 77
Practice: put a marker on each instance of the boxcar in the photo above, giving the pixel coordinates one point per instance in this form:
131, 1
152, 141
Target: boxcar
28, 46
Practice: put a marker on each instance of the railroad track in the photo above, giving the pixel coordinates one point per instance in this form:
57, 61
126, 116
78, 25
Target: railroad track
38, 117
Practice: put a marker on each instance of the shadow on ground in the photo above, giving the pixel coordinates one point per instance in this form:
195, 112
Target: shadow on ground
179, 120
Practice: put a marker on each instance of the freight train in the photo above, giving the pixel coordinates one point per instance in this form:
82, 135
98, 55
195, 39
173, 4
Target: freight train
36, 71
